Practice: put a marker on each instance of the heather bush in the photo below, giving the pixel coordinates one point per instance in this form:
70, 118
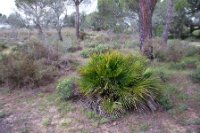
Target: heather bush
31, 64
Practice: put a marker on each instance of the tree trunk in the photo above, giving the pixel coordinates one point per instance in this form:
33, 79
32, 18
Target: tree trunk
167, 22
60, 34
77, 22
40, 32
191, 29
146, 8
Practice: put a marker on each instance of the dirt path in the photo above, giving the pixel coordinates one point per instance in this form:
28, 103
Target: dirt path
29, 111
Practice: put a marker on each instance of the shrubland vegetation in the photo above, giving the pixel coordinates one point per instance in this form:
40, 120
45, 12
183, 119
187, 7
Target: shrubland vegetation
131, 59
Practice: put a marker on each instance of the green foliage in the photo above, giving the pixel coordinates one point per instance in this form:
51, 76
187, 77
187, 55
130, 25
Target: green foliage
122, 82
163, 76
65, 88
159, 30
2, 46
131, 44
85, 53
2, 114
196, 33
2, 56
175, 52
196, 75
99, 49
90, 114
46, 122
190, 64
166, 98
119, 29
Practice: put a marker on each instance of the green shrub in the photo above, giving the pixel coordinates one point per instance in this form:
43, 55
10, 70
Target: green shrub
121, 82
99, 49
65, 88
118, 29
85, 53
196, 75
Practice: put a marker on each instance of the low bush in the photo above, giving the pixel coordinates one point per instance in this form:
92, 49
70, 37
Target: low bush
17, 69
119, 82
175, 52
85, 53
163, 76
100, 49
65, 88
131, 44
192, 51
32, 64
37, 50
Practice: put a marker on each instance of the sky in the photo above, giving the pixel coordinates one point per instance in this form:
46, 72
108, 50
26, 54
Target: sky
8, 6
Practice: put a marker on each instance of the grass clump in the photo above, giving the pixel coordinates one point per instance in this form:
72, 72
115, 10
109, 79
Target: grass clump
65, 88
119, 82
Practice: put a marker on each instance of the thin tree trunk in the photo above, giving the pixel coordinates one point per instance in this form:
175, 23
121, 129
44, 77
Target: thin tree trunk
146, 8
59, 31
191, 29
77, 22
40, 31
167, 22
60, 35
